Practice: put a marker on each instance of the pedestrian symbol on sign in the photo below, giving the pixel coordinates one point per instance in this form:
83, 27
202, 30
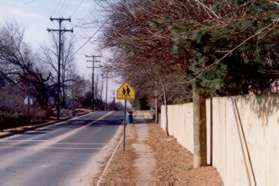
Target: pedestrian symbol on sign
126, 92
123, 91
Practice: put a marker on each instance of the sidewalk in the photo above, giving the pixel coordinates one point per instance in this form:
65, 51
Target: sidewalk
152, 158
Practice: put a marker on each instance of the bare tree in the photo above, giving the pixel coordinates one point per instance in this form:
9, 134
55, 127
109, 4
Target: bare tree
49, 57
18, 64
78, 88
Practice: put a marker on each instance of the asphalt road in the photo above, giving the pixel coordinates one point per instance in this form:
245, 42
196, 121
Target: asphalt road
55, 154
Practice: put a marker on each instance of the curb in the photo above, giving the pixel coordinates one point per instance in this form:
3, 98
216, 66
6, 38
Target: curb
100, 180
23, 129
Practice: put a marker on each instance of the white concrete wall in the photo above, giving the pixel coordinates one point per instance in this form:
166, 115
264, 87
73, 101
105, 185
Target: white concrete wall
180, 123
260, 120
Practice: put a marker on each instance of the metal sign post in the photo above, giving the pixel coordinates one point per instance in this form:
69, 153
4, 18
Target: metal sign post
125, 126
125, 92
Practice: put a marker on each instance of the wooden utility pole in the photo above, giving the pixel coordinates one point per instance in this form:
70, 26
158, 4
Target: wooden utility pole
93, 61
106, 76
200, 141
107, 93
102, 88
60, 32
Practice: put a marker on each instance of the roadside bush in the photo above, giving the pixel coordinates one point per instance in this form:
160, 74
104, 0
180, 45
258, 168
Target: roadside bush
39, 116
9, 120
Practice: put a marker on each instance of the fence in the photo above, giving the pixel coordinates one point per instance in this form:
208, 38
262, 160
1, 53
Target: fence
244, 139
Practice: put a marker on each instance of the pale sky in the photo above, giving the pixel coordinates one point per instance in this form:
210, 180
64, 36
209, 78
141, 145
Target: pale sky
34, 16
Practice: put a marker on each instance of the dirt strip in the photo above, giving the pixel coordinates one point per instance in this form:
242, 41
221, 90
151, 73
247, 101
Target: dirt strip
122, 170
173, 164
145, 162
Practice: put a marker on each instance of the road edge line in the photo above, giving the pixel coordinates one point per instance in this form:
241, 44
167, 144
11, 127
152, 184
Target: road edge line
109, 161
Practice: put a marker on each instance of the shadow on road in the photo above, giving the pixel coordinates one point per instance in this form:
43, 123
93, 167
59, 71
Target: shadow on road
142, 121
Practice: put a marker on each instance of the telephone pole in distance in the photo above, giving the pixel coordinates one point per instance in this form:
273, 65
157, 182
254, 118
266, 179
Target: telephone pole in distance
107, 77
93, 67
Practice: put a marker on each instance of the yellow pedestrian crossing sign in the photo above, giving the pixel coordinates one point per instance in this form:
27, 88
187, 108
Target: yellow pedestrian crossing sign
126, 92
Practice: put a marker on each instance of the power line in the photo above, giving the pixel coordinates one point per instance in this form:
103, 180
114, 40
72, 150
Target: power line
78, 7
91, 37
59, 7
29, 2
62, 7
56, 7
54, 10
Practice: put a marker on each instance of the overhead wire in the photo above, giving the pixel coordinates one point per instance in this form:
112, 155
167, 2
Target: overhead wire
53, 12
91, 37
29, 2
62, 6
59, 7
78, 7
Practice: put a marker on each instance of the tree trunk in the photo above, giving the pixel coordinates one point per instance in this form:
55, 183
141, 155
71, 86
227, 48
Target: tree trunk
156, 109
166, 108
167, 117
199, 114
